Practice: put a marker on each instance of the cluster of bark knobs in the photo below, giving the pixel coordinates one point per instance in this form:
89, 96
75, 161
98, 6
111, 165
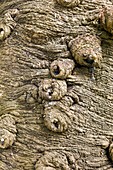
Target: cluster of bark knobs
85, 50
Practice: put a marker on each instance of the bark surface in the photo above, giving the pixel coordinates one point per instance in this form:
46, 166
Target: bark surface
67, 127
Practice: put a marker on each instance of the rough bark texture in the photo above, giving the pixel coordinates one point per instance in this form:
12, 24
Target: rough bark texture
75, 130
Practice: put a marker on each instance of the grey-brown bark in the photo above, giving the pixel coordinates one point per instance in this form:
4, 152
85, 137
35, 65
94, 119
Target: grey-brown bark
73, 126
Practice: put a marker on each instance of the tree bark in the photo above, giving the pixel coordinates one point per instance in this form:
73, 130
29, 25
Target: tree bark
50, 122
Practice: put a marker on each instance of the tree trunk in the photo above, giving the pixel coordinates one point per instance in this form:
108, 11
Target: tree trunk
52, 114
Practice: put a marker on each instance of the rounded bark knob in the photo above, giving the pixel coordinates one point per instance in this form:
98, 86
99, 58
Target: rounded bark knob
51, 89
55, 120
62, 68
106, 18
5, 31
69, 3
86, 50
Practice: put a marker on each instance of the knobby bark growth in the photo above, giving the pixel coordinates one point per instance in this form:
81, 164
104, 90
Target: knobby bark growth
52, 114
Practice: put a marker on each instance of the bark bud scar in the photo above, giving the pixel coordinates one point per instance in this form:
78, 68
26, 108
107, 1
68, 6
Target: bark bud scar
86, 50
62, 68
51, 89
55, 120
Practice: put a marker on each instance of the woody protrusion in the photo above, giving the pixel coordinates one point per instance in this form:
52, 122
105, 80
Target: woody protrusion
62, 68
51, 89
